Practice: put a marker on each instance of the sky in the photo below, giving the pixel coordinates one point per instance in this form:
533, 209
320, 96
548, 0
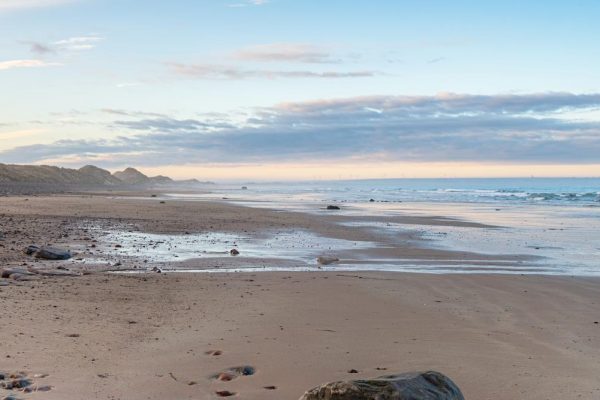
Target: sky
303, 89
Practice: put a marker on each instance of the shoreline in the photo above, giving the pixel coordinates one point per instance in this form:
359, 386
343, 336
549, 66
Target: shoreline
192, 230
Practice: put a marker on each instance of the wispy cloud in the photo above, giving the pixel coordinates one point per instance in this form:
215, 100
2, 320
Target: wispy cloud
19, 4
225, 72
14, 64
72, 44
249, 3
436, 60
127, 113
78, 43
39, 48
443, 128
286, 52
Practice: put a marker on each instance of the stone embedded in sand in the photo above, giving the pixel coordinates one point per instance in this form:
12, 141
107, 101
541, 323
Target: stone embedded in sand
7, 272
326, 260
21, 277
52, 253
29, 250
18, 383
331, 207
40, 388
234, 252
428, 385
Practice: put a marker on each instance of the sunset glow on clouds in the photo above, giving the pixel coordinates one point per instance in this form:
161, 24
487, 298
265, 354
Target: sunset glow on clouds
316, 92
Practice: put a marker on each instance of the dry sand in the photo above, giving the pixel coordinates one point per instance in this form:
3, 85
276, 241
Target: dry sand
146, 336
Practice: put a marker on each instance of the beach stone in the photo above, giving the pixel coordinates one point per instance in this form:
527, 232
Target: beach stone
330, 207
428, 385
234, 252
17, 383
326, 260
20, 277
57, 272
7, 272
52, 253
29, 250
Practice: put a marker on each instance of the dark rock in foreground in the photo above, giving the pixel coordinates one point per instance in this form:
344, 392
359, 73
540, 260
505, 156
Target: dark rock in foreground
428, 385
331, 207
48, 253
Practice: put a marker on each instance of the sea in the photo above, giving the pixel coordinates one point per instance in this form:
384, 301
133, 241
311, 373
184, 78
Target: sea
555, 221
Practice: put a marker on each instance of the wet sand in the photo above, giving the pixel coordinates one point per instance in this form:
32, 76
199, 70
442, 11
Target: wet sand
146, 336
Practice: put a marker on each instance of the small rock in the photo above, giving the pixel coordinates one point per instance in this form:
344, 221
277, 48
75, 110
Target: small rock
29, 250
52, 253
234, 252
326, 260
7, 272
332, 207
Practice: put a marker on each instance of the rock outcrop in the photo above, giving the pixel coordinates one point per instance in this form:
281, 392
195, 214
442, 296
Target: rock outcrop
428, 385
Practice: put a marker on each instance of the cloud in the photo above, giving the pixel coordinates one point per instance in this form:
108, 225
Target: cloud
78, 43
126, 113
14, 64
286, 52
249, 3
39, 49
72, 44
436, 60
443, 128
223, 72
20, 4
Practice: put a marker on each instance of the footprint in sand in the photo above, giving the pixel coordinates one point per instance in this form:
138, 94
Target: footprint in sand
225, 393
233, 373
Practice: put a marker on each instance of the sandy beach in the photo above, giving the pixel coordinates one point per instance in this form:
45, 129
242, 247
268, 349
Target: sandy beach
155, 336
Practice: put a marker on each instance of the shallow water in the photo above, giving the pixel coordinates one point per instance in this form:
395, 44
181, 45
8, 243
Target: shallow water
296, 245
562, 226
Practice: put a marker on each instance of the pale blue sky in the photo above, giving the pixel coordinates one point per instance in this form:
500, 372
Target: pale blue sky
106, 78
